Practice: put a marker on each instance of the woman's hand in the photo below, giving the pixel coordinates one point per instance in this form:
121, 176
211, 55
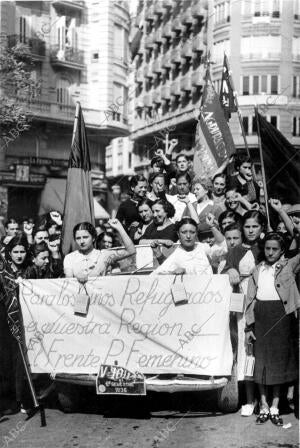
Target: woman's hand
211, 220
249, 338
275, 204
156, 247
28, 228
138, 234
82, 278
234, 276
115, 224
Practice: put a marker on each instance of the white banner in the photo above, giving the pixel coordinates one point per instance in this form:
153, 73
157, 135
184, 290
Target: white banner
132, 320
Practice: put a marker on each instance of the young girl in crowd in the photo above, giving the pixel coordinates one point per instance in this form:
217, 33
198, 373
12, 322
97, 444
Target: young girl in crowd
241, 260
43, 265
11, 367
272, 303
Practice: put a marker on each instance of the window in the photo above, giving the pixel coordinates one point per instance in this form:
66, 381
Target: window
296, 9
296, 126
95, 57
62, 92
273, 120
222, 13
296, 86
245, 85
246, 125
274, 85
22, 30
264, 84
254, 125
129, 160
261, 8
255, 85
118, 42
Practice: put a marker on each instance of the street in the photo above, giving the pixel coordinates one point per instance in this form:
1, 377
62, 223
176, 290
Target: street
173, 421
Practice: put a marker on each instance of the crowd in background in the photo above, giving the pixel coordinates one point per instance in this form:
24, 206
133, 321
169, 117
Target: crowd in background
194, 226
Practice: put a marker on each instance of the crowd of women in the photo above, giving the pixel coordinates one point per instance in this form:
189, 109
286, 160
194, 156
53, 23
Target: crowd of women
194, 227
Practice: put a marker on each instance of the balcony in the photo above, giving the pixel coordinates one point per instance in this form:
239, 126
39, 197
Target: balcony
197, 77
149, 41
139, 103
158, 36
186, 50
167, 31
68, 58
166, 60
70, 5
187, 18
198, 44
139, 77
167, 4
175, 56
36, 46
149, 13
165, 92
156, 98
175, 88
148, 71
198, 10
156, 66
158, 8
177, 25
54, 112
147, 100
186, 83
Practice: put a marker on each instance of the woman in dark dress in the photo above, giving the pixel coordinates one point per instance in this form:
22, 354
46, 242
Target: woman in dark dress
11, 368
240, 261
162, 228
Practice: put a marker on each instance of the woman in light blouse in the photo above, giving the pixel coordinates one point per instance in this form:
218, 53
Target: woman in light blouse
90, 262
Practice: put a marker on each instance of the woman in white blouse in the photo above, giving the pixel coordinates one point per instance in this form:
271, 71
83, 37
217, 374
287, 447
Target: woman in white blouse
90, 262
192, 257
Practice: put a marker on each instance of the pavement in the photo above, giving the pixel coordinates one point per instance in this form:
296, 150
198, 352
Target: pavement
159, 421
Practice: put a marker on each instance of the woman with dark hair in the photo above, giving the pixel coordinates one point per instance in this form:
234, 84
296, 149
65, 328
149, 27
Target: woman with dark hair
219, 182
162, 227
228, 217
157, 183
43, 265
240, 262
191, 257
137, 230
273, 303
90, 262
127, 212
11, 367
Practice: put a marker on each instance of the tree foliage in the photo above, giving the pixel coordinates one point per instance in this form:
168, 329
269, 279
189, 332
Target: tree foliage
17, 87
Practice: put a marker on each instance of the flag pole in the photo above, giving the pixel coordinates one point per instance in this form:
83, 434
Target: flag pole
262, 167
75, 120
239, 113
36, 404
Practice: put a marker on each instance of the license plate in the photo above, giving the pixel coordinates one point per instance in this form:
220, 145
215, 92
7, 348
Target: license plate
116, 380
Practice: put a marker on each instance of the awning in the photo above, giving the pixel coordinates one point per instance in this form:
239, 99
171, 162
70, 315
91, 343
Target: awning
53, 197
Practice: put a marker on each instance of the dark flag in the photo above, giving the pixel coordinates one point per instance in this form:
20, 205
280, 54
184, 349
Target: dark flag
213, 142
227, 99
78, 205
281, 161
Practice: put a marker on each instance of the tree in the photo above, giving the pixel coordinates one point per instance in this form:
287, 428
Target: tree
17, 89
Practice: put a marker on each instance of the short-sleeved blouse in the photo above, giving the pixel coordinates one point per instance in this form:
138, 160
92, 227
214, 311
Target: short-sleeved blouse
93, 264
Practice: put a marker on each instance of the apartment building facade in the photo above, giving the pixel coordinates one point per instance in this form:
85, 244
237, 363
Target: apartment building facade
261, 39
81, 53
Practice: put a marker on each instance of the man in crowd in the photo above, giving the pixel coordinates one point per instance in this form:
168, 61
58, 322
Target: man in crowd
243, 181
